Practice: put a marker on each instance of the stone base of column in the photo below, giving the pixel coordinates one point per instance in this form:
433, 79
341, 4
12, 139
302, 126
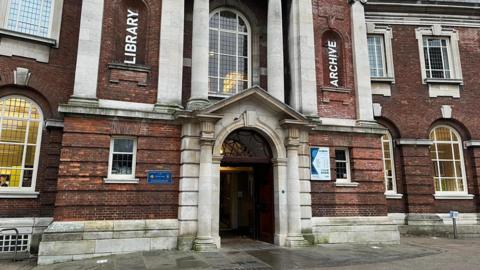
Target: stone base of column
167, 108
367, 123
204, 244
81, 101
294, 241
197, 104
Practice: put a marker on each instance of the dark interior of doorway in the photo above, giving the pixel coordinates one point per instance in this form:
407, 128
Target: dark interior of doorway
246, 201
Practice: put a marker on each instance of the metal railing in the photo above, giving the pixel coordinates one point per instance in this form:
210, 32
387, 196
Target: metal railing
16, 240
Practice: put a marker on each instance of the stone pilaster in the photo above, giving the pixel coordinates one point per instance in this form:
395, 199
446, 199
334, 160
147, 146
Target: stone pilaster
170, 73
294, 236
275, 63
204, 240
200, 52
363, 86
302, 58
88, 55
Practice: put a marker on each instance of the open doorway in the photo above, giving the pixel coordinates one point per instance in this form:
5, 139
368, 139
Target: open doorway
246, 188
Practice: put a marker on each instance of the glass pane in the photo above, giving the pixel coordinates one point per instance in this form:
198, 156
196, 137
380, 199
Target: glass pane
456, 151
33, 132
242, 45
213, 41
443, 134
389, 184
27, 178
122, 164
214, 21
446, 169
435, 169
213, 85
213, 65
458, 167
243, 69
17, 108
460, 185
30, 16
341, 170
386, 150
228, 86
449, 185
10, 178
13, 131
242, 26
11, 156
433, 151
228, 67
340, 155
30, 157
445, 151
242, 85
123, 146
228, 20
228, 43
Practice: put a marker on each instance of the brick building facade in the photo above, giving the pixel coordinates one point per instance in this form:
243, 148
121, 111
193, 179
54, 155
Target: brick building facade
140, 125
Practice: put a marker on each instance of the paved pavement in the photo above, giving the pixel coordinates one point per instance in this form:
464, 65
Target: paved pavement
413, 253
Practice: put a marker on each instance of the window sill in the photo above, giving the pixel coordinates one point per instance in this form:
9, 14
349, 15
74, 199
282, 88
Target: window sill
453, 196
121, 181
383, 79
18, 195
444, 81
346, 184
26, 37
336, 89
393, 196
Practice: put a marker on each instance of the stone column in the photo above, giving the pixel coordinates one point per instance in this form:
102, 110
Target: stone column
363, 86
294, 236
204, 240
170, 73
280, 198
275, 50
302, 58
200, 43
88, 54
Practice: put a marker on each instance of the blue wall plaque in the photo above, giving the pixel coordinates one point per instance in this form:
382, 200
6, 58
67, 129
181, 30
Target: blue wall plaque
159, 178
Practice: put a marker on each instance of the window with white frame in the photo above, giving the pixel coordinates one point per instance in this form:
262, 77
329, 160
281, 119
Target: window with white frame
447, 157
33, 17
436, 52
20, 138
122, 160
376, 53
342, 165
388, 164
229, 54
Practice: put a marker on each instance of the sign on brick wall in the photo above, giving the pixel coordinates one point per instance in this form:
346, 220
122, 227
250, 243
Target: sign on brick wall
320, 167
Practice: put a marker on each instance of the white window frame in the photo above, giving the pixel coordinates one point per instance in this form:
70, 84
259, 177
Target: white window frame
26, 192
122, 178
382, 54
249, 49
54, 27
347, 163
390, 194
452, 194
442, 87
387, 34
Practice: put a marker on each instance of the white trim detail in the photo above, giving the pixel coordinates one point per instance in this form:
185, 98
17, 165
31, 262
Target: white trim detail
345, 182
393, 196
442, 87
122, 178
439, 196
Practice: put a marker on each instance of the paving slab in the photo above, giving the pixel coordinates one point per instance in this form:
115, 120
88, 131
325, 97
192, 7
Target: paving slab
412, 254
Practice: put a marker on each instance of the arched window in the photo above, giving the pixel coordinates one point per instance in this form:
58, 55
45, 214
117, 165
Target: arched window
447, 157
229, 58
389, 164
20, 137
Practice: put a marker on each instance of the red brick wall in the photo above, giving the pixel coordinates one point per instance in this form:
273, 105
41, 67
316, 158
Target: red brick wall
368, 198
50, 85
334, 15
413, 113
82, 193
120, 84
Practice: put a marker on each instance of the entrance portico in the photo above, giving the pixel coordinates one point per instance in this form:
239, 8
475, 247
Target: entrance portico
204, 134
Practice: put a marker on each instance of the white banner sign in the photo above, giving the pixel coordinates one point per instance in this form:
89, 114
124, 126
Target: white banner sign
320, 167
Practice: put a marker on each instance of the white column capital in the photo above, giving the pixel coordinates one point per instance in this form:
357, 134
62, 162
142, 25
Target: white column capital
363, 2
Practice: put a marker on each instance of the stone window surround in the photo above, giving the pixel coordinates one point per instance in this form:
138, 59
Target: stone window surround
20, 44
382, 85
122, 179
249, 44
442, 87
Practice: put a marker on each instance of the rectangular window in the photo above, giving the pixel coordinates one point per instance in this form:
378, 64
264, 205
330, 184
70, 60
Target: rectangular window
122, 159
342, 164
436, 53
31, 17
376, 54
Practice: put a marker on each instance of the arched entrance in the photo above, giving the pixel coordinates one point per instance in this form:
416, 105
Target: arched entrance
247, 187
